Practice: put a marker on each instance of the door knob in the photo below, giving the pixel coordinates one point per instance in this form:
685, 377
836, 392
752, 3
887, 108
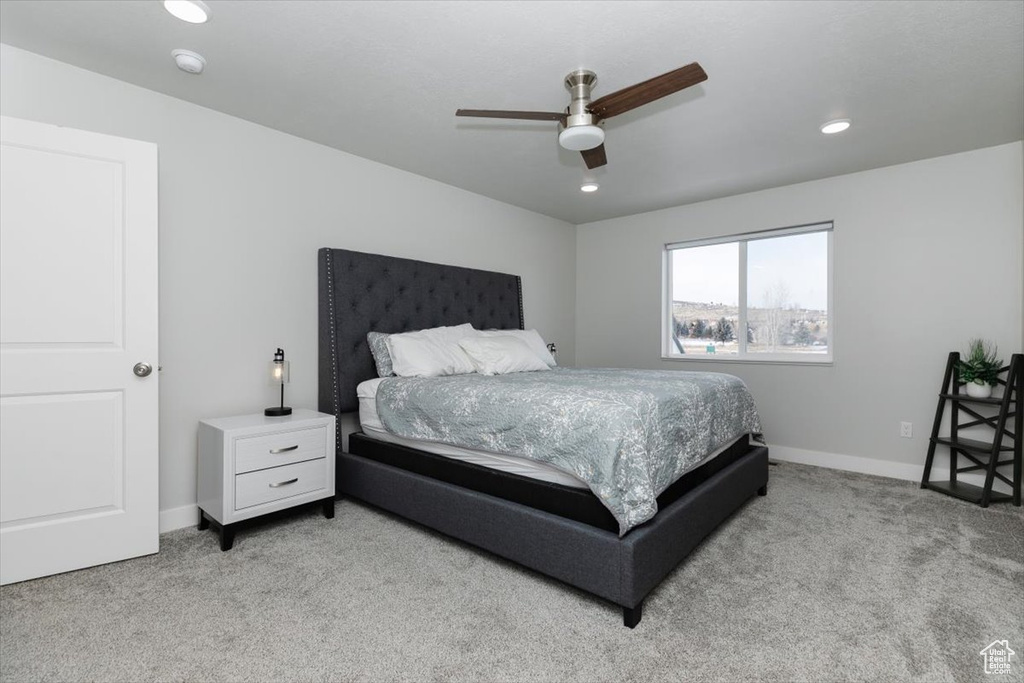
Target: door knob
142, 369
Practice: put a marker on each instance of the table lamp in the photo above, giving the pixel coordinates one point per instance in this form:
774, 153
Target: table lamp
279, 375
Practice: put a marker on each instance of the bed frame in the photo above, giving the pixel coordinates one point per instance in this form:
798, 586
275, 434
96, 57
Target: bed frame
360, 293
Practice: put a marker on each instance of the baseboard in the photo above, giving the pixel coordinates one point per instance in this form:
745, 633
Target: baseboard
881, 468
178, 518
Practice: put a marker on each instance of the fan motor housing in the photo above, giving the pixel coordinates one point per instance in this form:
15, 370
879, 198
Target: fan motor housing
580, 83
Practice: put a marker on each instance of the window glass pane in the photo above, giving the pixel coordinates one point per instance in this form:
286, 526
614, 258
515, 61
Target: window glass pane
705, 296
787, 294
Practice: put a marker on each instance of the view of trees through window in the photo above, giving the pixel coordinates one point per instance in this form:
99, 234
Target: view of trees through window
786, 282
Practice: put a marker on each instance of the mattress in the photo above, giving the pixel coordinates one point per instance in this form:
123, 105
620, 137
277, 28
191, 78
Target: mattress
372, 426
524, 467
628, 433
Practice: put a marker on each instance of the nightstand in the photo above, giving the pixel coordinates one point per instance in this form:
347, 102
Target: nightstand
252, 465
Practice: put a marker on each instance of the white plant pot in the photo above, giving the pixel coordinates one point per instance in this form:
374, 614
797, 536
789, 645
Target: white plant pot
975, 390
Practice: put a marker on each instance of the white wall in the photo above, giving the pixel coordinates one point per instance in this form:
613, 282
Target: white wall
927, 255
243, 210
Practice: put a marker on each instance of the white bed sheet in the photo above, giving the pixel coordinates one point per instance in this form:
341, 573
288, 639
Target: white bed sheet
370, 421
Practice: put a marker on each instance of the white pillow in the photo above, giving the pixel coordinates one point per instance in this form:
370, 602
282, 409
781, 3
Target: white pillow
430, 353
532, 339
501, 354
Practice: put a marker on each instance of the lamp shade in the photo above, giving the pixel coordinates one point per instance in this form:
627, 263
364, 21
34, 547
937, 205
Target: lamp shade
279, 371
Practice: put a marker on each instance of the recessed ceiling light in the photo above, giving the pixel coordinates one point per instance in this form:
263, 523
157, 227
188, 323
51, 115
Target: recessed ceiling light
192, 11
833, 127
589, 187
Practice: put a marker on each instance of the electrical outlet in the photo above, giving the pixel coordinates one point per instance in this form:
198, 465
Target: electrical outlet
907, 430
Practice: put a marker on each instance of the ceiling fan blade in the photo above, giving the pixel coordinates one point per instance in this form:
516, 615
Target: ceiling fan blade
499, 114
595, 157
650, 90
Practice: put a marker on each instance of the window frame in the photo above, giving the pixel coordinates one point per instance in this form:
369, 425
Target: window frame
742, 240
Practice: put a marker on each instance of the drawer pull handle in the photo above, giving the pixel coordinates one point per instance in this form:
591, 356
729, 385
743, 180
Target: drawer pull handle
275, 451
284, 483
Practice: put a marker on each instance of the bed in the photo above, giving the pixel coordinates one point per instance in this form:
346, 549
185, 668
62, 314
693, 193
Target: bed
552, 527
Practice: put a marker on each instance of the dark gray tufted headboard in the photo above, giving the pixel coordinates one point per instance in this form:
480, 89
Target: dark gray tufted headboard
360, 293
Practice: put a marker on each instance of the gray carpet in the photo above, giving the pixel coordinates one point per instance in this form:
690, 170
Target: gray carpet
833, 576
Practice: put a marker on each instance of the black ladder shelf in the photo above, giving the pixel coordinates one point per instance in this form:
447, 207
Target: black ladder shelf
983, 455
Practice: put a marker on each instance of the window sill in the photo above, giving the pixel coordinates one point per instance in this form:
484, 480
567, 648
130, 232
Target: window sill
824, 361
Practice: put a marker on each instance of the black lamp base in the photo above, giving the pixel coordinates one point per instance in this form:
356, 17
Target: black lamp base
277, 411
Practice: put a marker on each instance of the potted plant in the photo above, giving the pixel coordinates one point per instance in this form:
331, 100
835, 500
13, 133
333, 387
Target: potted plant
979, 368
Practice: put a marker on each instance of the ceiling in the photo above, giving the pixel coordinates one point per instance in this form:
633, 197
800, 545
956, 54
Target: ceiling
383, 79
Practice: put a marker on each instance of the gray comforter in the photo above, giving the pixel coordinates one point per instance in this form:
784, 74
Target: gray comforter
627, 433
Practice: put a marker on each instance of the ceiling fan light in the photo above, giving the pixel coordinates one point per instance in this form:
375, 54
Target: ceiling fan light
581, 138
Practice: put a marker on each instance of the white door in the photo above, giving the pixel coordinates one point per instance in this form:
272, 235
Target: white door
78, 309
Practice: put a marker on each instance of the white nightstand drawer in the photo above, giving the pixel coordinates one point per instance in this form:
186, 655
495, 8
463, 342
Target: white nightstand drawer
278, 483
260, 452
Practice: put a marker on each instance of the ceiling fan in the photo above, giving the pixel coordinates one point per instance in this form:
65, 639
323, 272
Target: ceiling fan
580, 123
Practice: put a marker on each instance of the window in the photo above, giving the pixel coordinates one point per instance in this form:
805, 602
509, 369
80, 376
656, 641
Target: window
764, 296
